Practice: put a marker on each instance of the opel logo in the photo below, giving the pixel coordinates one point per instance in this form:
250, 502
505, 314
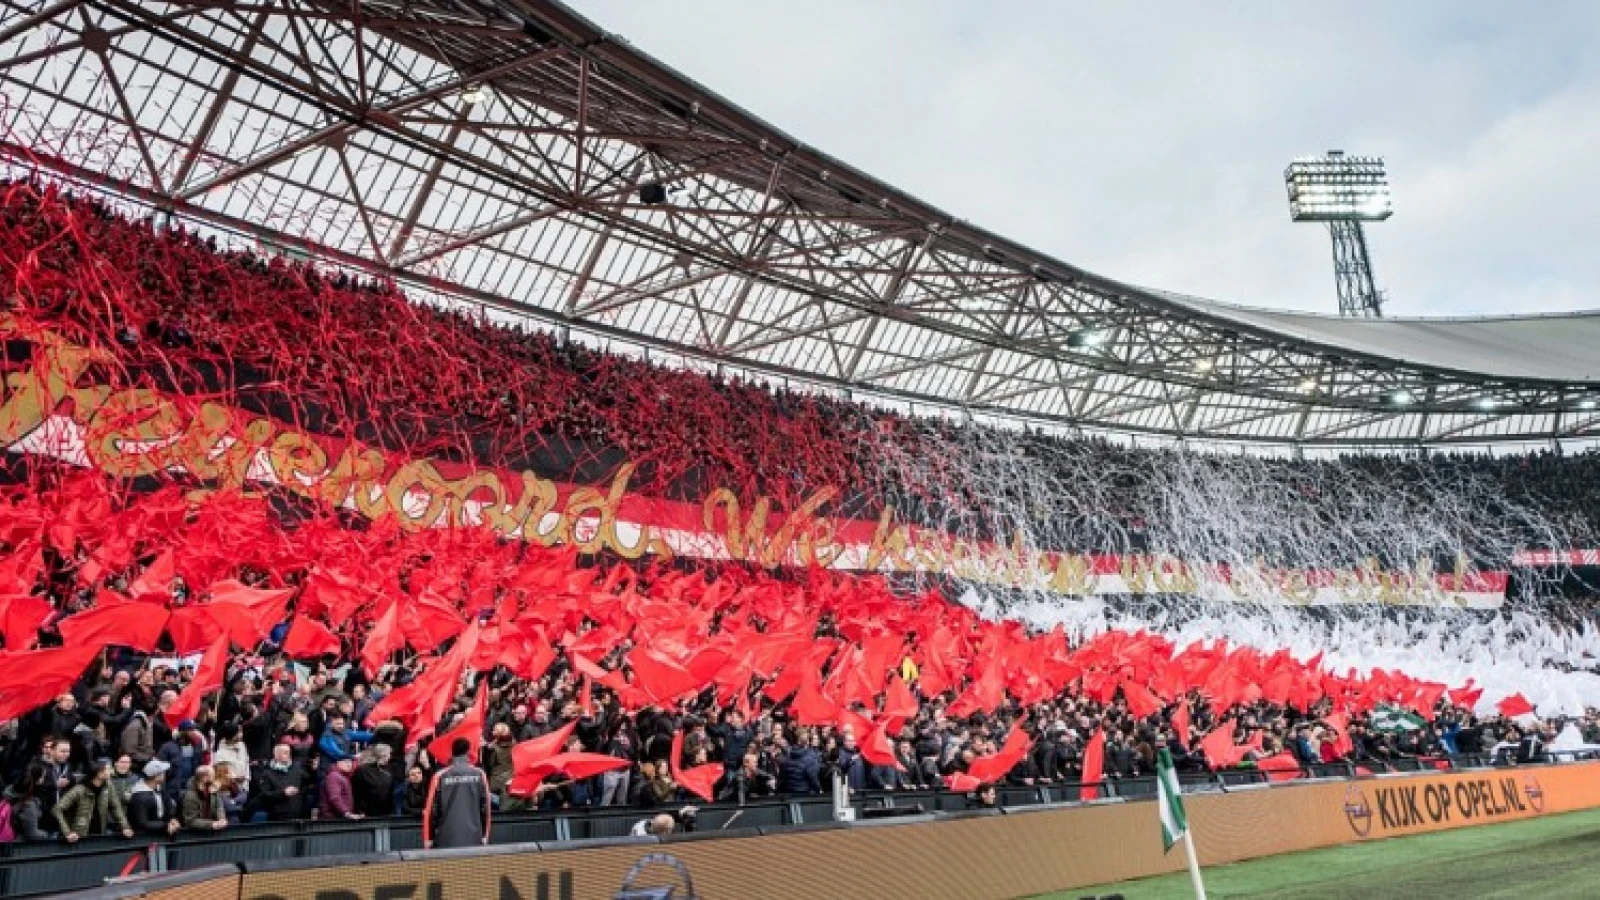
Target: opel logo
1530, 786
1357, 811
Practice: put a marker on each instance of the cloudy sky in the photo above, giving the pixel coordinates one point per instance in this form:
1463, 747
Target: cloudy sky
1147, 140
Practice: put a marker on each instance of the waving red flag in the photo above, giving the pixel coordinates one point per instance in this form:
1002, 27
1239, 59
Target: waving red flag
1219, 748
382, 640
134, 625
1094, 767
660, 678
192, 628
878, 749
700, 781
30, 680
1141, 702
994, 766
1513, 706
208, 677
21, 619
470, 727
156, 579
527, 758
1466, 696
308, 638
576, 766
247, 613
1180, 723
809, 706
897, 700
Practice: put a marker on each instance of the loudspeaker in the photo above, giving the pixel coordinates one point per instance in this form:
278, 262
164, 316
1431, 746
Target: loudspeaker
653, 194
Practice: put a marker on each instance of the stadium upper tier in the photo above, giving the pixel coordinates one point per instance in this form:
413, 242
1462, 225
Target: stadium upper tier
515, 156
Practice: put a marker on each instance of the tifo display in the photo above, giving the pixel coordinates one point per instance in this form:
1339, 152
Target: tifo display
277, 544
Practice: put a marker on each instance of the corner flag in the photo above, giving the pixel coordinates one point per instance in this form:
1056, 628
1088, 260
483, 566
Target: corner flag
1174, 824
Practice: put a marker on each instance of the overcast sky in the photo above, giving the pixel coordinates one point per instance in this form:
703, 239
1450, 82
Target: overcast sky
1147, 140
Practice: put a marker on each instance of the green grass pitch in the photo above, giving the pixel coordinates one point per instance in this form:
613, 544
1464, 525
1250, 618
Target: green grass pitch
1554, 858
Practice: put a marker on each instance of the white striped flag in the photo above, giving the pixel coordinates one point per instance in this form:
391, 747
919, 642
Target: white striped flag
1174, 824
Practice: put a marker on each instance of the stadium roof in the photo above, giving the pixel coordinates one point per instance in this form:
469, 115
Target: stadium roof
495, 152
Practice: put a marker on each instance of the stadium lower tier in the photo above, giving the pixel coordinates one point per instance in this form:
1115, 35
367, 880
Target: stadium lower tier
1011, 849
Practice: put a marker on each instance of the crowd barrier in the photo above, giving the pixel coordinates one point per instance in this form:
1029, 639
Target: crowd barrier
1013, 851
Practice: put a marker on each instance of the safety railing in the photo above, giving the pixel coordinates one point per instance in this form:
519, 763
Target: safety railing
33, 868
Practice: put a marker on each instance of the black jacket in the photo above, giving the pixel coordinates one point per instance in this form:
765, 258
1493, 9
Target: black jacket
373, 789
268, 792
147, 811
458, 806
800, 772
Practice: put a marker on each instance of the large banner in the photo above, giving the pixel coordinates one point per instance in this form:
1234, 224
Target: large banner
63, 406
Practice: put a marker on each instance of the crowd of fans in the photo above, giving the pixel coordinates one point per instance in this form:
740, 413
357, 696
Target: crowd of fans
356, 358
288, 743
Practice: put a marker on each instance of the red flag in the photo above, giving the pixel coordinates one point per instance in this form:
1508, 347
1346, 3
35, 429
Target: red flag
383, 640
994, 766
1281, 766
1514, 705
878, 749
1219, 749
1141, 703
470, 727
422, 703
309, 638
134, 625
897, 700
248, 614
208, 677
962, 782
809, 706
1466, 696
586, 697
1094, 765
1343, 746
527, 754
22, 619
192, 628
577, 766
700, 780
30, 680
156, 579
660, 678
1180, 724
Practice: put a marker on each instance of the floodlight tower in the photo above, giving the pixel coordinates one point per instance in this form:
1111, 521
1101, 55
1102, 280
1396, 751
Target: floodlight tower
1344, 191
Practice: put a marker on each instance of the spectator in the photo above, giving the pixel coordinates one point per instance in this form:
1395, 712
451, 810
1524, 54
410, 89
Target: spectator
415, 797
338, 796
123, 778
338, 744
280, 793
231, 750
800, 770
27, 812
92, 808
138, 738
201, 808
373, 784
184, 752
149, 813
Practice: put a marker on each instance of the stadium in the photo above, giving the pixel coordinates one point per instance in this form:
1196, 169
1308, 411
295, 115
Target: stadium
450, 453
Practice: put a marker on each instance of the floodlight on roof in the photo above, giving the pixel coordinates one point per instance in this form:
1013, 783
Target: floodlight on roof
474, 94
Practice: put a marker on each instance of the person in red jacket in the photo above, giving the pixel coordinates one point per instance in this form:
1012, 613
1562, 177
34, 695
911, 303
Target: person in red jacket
338, 798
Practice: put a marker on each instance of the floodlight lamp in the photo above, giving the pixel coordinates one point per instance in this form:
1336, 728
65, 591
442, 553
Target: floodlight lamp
1086, 338
1336, 187
1587, 404
1487, 403
1203, 365
1401, 398
1308, 386
474, 94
